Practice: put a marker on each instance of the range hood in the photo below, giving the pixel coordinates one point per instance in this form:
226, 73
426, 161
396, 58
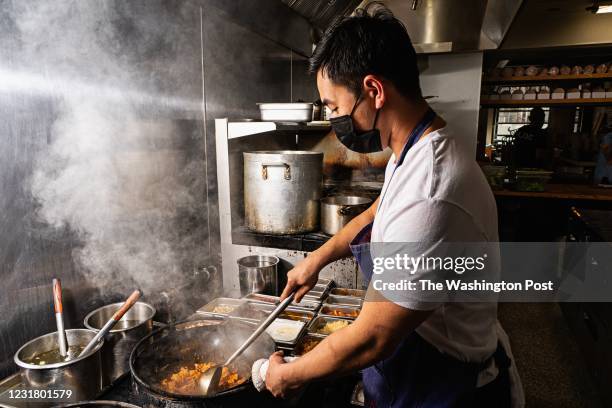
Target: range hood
435, 26
321, 13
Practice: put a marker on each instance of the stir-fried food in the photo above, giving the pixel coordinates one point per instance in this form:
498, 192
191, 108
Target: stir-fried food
185, 380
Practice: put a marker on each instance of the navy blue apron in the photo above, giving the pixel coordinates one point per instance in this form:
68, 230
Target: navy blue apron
417, 374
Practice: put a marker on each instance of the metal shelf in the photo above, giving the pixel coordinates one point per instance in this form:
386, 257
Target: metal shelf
547, 79
250, 128
547, 102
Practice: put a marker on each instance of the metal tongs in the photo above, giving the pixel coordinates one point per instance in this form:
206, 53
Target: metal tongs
209, 380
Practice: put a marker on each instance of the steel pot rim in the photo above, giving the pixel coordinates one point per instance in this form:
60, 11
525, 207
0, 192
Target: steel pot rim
29, 366
328, 200
118, 304
170, 395
275, 260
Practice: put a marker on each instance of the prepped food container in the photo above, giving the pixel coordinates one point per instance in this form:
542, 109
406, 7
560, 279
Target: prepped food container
320, 288
306, 304
325, 325
532, 180
345, 312
316, 295
259, 298
286, 112
306, 343
81, 375
119, 343
348, 292
220, 307
326, 282
343, 300
285, 332
297, 314
252, 311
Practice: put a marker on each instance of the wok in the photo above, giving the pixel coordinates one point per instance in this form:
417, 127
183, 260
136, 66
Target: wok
166, 350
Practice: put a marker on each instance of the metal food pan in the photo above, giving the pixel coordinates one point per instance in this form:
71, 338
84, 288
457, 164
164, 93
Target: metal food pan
252, 311
259, 298
348, 292
344, 312
343, 301
315, 295
320, 288
320, 321
292, 313
291, 344
209, 308
326, 282
307, 304
286, 112
298, 350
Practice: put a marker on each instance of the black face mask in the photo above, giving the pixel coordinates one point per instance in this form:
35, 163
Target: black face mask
360, 142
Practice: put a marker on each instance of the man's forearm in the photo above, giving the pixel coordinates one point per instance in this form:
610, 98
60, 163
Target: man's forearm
337, 247
342, 352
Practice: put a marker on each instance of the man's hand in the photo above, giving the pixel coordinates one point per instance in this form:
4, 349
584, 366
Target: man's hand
275, 381
302, 278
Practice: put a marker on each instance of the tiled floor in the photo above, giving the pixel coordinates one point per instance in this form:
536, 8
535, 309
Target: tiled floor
550, 364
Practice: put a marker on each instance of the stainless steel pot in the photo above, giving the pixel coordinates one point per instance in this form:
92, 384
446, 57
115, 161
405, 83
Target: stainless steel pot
282, 191
337, 211
258, 274
133, 326
82, 375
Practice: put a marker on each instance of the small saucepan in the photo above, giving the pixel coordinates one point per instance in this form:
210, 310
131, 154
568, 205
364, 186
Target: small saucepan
338, 210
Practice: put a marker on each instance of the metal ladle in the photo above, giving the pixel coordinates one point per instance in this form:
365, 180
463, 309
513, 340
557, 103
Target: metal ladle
209, 380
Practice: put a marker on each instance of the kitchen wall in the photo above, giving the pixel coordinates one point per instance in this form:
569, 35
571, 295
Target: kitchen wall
454, 81
107, 165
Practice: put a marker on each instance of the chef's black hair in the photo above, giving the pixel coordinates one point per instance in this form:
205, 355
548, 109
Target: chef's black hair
372, 41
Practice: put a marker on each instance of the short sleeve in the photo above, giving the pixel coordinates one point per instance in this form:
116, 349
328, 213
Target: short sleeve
427, 228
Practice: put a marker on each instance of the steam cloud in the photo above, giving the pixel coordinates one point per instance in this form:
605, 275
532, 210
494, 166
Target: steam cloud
118, 171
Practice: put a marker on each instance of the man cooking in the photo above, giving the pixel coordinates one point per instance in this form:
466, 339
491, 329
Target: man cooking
416, 353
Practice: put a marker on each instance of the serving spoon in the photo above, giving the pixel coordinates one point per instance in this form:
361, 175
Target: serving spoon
58, 306
209, 380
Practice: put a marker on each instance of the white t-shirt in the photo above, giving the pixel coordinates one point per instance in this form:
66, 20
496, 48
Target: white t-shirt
440, 194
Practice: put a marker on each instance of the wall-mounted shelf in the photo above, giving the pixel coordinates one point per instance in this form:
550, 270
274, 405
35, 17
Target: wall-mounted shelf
249, 128
547, 102
548, 78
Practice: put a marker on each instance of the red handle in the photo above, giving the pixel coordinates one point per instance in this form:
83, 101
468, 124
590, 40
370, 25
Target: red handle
127, 305
57, 296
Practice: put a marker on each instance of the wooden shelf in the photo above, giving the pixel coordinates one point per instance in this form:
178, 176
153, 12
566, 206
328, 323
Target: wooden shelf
547, 102
563, 192
548, 78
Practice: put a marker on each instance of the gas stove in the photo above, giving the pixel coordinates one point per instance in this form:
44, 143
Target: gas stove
326, 394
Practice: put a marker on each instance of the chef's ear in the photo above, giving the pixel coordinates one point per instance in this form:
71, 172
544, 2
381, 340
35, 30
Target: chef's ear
374, 88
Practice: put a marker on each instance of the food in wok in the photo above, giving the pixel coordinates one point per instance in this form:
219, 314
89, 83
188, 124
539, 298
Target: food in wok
185, 380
